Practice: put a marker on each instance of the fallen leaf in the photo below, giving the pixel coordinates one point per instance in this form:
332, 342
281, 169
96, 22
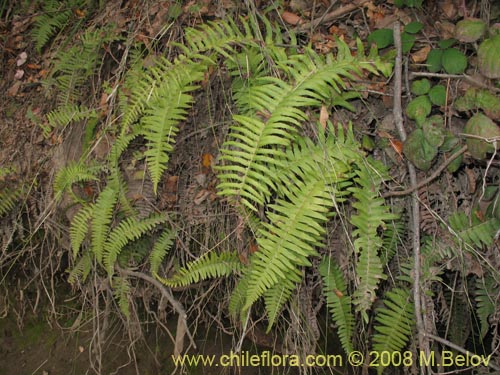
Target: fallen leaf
23, 56
207, 160
33, 66
338, 293
323, 116
19, 74
291, 18
397, 145
421, 55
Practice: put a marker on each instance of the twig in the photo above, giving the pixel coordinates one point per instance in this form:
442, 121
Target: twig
434, 175
463, 76
332, 15
182, 322
398, 118
490, 364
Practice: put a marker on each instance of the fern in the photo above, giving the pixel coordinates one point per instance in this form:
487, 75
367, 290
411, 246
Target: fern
79, 227
8, 199
395, 321
54, 17
166, 109
207, 266
476, 234
127, 231
101, 219
73, 173
81, 269
66, 114
275, 297
487, 300
121, 291
339, 303
371, 214
160, 249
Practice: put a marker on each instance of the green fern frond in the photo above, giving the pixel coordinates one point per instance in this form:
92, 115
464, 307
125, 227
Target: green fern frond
238, 299
73, 173
394, 234
8, 199
289, 239
475, 234
81, 269
166, 109
250, 152
66, 114
395, 322
121, 291
371, 214
79, 227
209, 265
160, 249
337, 300
487, 301
275, 297
431, 254
101, 219
54, 17
125, 232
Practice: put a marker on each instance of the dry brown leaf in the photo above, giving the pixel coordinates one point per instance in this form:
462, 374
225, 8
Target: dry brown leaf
421, 55
291, 18
323, 116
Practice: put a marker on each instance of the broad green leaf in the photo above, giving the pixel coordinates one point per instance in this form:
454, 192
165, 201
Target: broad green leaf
419, 108
437, 95
447, 43
421, 86
454, 61
414, 27
407, 42
419, 151
433, 128
480, 125
488, 59
382, 38
434, 60
470, 30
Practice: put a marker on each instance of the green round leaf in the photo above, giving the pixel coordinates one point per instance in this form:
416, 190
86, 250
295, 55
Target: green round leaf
419, 108
455, 164
454, 61
488, 57
407, 42
414, 27
470, 30
437, 94
434, 60
419, 151
421, 86
433, 128
450, 142
447, 43
382, 38
480, 125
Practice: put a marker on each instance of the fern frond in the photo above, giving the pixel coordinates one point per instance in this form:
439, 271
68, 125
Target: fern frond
8, 199
475, 234
54, 17
81, 269
337, 300
250, 151
125, 232
275, 297
237, 300
121, 291
395, 321
209, 265
73, 173
79, 227
393, 235
487, 302
160, 249
372, 213
66, 114
288, 240
166, 109
101, 219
